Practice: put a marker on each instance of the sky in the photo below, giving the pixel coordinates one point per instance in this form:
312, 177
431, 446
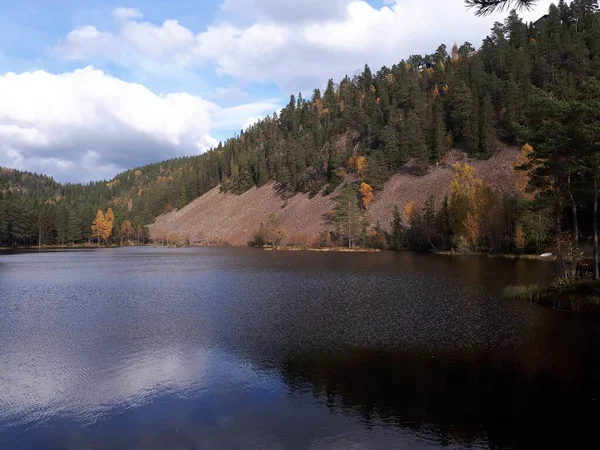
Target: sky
91, 88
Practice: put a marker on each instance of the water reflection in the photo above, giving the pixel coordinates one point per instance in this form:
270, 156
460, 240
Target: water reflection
225, 348
452, 399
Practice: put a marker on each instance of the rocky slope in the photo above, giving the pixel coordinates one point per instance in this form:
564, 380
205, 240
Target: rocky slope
217, 218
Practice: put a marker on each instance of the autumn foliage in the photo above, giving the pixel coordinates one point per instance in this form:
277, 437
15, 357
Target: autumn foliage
520, 238
359, 164
523, 168
270, 234
410, 213
102, 225
366, 192
475, 213
127, 231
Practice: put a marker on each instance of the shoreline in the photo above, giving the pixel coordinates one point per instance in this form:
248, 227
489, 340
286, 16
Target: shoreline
442, 253
580, 297
321, 249
285, 249
497, 255
66, 247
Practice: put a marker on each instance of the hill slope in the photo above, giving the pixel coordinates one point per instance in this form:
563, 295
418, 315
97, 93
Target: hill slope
233, 219
511, 89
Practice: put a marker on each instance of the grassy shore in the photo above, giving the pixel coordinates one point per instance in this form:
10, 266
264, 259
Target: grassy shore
496, 255
583, 296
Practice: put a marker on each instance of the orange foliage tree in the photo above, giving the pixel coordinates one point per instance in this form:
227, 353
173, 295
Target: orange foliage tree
359, 164
101, 228
474, 210
102, 225
520, 238
109, 217
410, 213
127, 231
523, 172
367, 194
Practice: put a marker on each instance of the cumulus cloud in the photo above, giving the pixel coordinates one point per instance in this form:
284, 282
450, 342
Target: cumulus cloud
230, 93
87, 119
289, 12
242, 116
127, 13
298, 45
168, 42
85, 124
87, 42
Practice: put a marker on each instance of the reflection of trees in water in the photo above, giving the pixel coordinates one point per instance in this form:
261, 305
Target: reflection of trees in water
453, 400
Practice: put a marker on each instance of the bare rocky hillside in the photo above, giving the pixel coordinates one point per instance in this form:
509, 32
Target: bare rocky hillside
233, 219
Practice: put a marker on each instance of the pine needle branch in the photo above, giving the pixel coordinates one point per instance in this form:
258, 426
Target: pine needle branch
486, 7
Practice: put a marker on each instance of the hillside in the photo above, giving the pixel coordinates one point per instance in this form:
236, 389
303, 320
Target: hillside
527, 83
218, 218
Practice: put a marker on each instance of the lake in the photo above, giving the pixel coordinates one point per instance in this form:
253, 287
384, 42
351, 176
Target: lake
241, 348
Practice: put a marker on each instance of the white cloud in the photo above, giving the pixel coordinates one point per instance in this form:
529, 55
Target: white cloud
239, 117
167, 40
87, 42
301, 56
86, 124
230, 93
298, 45
287, 11
127, 13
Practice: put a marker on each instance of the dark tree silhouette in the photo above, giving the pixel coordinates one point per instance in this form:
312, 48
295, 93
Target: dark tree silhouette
485, 7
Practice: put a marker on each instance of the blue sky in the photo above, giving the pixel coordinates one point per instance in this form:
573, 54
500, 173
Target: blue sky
90, 88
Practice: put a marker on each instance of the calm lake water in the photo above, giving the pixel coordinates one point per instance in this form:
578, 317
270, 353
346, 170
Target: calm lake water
240, 348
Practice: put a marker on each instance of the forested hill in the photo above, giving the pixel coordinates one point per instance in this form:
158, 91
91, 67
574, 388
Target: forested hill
417, 110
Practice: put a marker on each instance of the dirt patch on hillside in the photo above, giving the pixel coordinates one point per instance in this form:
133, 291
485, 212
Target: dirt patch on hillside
400, 189
233, 219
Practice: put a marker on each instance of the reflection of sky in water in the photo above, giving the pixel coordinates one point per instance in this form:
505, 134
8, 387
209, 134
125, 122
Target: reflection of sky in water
235, 348
169, 397
54, 383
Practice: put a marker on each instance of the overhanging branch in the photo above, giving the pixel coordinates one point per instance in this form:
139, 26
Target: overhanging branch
486, 7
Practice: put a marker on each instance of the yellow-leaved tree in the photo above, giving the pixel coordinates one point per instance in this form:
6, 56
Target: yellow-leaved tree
102, 225
410, 213
366, 192
359, 163
109, 217
127, 231
522, 167
475, 212
99, 226
520, 238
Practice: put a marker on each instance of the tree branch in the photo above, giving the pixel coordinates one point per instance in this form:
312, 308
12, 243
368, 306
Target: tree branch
486, 7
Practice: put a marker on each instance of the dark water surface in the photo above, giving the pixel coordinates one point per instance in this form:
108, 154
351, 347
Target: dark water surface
239, 348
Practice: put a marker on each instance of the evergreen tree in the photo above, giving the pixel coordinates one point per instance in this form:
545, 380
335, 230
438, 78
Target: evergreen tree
398, 230
524, 84
438, 132
349, 217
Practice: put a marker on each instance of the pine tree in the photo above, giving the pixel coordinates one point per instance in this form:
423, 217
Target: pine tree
462, 112
349, 218
487, 134
438, 132
485, 7
398, 230
183, 199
